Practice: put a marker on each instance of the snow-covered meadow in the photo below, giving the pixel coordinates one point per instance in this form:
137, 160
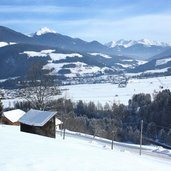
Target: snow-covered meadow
112, 93
24, 152
108, 92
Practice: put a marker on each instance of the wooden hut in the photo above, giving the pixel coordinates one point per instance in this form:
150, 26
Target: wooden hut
11, 117
39, 122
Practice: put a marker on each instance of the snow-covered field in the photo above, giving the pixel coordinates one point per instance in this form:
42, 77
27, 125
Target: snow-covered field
24, 152
109, 92
112, 93
54, 56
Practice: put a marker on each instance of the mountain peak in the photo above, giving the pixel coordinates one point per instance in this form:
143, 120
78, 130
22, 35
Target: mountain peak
121, 42
44, 30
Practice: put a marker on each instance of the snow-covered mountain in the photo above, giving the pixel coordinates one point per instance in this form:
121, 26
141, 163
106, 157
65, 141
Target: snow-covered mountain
70, 57
138, 49
129, 43
66, 56
141, 49
44, 30
49, 37
63, 63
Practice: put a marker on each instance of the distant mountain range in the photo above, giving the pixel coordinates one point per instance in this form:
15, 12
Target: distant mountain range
129, 43
140, 49
73, 57
65, 56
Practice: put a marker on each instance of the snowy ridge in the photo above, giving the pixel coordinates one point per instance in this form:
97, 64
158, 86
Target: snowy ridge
2, 44
50, 52
163, 61
124, 65
100, 54
157, 70
129, 43
140, 62
59, 56
44, 30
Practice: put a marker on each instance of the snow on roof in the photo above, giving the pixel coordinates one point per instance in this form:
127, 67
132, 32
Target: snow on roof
36, 117
58, 122
14, 115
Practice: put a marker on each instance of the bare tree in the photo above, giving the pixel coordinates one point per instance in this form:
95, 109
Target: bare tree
39, 88
1, 107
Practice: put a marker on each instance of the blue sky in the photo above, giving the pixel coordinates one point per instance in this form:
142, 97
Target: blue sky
102, 20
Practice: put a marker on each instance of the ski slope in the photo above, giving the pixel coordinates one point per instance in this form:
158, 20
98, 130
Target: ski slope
24, 152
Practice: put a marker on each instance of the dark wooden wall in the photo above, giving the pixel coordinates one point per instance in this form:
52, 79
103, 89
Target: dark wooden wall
6, 121
48, 130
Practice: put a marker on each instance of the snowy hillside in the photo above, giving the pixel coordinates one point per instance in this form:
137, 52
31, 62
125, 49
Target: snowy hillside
25, 152
2, 44
64, 63
81, 64
163, 61
50, 52
159, 65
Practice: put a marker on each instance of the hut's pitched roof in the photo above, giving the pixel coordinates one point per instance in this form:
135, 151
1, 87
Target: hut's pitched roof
36, 117
14, 115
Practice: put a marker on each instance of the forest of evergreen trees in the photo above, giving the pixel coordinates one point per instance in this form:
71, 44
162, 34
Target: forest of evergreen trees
119, 120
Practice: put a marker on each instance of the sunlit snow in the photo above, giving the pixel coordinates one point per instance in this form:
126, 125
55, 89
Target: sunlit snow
59, 56
54, 56
14, 115
27, 152
101, 54
112, 93
163, 61
2, 44
129, 43
44, 30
